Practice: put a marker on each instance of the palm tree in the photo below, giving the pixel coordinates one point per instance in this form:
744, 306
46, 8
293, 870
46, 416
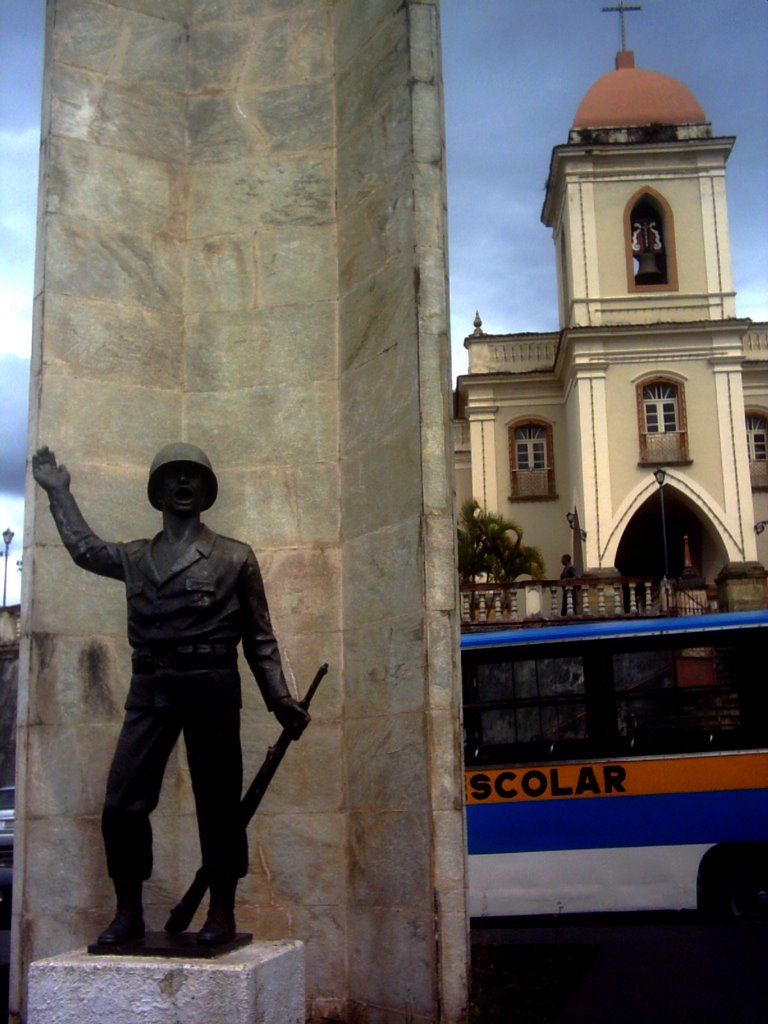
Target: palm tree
492, 546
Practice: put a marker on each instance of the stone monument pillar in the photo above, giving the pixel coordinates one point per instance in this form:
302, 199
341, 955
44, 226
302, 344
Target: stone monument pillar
242, 244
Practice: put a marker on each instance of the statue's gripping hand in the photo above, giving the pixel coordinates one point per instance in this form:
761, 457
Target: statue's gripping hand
47, 472
291, 715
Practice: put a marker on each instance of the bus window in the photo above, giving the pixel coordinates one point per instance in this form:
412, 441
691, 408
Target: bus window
498, 727
559, 677
495, 681
675, 700
525, 680
526, 708
563, 722
695, 666
538, 679
541, 727
642, 670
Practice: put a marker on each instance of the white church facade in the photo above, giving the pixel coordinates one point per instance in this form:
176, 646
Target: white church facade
644, 418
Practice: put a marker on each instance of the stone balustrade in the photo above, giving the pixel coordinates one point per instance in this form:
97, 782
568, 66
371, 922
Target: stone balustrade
607, 597
755, 343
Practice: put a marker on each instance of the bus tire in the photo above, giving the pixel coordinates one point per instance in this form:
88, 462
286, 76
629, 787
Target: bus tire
733, 883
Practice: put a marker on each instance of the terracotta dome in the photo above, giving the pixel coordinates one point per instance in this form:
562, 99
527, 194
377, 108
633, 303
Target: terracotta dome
632, 96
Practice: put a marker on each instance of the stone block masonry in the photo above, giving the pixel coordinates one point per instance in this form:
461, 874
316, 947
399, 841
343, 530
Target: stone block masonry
241, 244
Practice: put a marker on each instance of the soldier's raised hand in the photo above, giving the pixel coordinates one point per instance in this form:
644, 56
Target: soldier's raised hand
45, 470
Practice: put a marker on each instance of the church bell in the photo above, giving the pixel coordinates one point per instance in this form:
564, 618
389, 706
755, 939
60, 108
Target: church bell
648, 269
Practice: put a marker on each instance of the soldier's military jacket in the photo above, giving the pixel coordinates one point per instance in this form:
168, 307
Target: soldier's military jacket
184, 626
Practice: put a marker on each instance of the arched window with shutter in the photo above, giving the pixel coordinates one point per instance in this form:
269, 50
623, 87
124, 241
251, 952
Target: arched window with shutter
531, 461
662, 421
757, 447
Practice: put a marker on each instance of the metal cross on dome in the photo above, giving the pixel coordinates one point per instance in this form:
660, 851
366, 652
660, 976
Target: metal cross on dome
620, 9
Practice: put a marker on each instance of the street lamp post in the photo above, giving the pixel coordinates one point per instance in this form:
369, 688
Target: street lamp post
573, 522
660, 475
8, 536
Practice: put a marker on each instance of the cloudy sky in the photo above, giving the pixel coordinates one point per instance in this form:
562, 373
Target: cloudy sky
515, 71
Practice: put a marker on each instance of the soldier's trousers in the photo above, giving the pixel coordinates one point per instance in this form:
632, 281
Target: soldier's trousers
148, 736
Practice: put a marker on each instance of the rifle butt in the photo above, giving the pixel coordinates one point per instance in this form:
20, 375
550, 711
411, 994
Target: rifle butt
181, 916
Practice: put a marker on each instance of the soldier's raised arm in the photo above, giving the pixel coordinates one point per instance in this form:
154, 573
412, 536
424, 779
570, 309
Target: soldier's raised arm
87, 550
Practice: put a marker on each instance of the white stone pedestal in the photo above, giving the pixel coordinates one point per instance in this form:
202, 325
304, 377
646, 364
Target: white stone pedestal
262, 983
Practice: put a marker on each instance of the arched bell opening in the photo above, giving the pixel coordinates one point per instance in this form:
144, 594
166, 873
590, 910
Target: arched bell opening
650, 242
648, 249
641, 548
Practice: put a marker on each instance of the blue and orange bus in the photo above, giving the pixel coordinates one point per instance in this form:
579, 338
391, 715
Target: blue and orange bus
618, 766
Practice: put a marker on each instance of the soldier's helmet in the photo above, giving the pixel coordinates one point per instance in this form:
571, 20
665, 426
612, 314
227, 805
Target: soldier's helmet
181, 452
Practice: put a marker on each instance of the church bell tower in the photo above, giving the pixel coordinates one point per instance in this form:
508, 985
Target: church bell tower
650, 354
636, 203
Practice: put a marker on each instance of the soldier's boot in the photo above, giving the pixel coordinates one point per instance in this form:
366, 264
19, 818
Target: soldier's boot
128, 922
219, 926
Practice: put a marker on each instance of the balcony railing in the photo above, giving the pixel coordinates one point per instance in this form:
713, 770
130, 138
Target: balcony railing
669, 446
758, 473
531, 483
611, 597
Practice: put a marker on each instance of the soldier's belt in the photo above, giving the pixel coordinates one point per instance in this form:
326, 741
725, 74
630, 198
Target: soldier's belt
184, 658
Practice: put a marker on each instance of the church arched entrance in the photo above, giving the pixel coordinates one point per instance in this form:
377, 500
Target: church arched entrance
641, 548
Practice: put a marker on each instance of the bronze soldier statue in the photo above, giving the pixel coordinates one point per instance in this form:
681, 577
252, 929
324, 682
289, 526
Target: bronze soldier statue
192, 597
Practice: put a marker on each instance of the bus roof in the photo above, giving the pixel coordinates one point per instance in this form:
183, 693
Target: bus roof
616, 628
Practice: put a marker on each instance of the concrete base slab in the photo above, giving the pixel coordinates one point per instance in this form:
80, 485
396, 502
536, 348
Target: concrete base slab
261, 982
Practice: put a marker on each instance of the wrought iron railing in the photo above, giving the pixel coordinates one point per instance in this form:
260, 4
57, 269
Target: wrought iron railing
669, 446
530, 483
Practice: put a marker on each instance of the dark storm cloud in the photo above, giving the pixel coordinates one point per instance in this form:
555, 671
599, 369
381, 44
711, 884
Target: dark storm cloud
14, 400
